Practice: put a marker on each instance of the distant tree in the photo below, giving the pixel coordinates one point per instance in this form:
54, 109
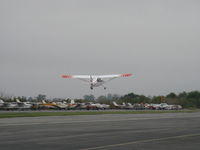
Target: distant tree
115, 97
157, 99
171, 95
143, 99
6, 96
41, 97
30, 99
194, 94
23, 99
182, 95
1, 95
194, 98
131, 97
134, 98
109, 96
89, 97
102, 99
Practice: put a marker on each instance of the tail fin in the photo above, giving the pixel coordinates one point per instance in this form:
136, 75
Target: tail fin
18, 101
130, 104
115, 104
72, 102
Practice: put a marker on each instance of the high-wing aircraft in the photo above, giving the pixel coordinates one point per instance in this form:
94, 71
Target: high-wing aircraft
96, 80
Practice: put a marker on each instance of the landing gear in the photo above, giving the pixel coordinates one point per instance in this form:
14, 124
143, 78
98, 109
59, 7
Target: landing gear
91, 88
104, 87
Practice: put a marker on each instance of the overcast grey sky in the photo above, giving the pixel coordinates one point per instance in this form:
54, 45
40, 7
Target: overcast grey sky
156, 40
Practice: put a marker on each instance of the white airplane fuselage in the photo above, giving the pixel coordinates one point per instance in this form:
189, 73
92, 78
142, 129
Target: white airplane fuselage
96, 82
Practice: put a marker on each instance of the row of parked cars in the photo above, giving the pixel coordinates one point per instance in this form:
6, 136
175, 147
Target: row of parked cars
43, 105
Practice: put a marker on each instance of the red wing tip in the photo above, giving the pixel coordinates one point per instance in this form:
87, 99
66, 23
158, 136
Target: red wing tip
126, 75
66, 76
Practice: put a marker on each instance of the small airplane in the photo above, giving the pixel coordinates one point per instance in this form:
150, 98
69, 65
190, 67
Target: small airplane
1, 103
96, 80
72, 104
123, 106
23, 105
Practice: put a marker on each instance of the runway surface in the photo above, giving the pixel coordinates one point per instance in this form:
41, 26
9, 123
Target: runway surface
180, 131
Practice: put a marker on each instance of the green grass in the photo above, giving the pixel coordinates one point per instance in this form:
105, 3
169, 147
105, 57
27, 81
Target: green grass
70, 113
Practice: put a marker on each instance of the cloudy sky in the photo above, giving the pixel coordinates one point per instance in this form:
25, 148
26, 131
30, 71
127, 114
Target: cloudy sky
156, 40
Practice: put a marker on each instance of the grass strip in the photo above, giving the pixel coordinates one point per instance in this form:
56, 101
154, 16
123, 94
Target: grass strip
70, 113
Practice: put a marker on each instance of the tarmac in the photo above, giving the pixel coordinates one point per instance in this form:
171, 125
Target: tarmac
179, 131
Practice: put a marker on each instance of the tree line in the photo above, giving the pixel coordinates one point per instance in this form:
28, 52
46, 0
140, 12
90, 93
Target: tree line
185, 99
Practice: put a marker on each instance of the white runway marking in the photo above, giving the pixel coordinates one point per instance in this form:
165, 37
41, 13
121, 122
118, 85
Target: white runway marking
51, 140
142, 141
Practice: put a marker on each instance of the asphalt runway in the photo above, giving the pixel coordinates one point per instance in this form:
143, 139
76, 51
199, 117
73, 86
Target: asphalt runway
179, 131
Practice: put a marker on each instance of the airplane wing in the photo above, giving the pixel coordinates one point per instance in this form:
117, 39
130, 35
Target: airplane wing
80, 77
89, 78
114, 75
76, 76
96, 76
